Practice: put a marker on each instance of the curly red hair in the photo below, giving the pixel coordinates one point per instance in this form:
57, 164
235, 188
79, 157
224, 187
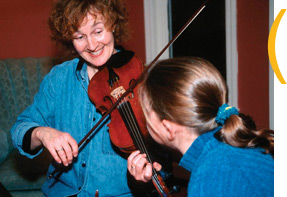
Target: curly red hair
67, 15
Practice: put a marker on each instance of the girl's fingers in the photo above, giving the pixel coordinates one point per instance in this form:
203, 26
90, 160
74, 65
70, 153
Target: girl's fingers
147, 172
131, 158
157, 166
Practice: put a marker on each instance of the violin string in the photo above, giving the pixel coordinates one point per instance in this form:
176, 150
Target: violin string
135, 130
126, 110
132, 121
136, 133
133, 127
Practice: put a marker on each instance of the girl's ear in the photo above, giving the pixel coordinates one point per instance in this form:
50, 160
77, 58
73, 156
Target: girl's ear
170, 128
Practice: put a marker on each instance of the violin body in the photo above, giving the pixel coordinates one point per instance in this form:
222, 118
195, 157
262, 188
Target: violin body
104, 93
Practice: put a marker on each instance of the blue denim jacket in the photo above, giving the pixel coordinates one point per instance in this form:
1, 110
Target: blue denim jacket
63, 103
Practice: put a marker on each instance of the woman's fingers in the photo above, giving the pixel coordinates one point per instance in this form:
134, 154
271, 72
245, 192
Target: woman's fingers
62, 146
70, 149
63, 156
55, 155
74, 146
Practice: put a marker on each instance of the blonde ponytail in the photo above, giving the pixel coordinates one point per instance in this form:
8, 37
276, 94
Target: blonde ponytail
240, 131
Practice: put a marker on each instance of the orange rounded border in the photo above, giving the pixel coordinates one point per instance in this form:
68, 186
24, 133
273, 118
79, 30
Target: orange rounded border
271, 46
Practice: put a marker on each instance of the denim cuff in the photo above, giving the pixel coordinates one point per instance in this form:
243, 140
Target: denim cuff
27, 142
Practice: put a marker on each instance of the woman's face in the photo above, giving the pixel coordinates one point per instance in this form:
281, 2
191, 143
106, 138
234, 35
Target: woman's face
93, 41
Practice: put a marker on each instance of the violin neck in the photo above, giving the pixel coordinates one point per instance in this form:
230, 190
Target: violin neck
131, 123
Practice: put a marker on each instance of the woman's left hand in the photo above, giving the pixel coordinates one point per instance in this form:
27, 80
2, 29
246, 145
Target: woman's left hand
140, 168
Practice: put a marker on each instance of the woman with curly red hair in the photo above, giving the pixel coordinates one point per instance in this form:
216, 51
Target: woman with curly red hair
62, 112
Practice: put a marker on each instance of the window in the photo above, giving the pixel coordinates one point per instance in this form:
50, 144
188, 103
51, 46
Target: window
205, 36
212, 35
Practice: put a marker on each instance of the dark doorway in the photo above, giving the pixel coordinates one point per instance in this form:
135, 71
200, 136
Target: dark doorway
205, 37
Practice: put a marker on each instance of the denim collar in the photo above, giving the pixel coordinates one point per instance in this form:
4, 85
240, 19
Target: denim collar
191, 156
81, 69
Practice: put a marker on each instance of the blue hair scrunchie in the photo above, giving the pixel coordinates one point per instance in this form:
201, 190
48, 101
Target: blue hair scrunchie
224, 112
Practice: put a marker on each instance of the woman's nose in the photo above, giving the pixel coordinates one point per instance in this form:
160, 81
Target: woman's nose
91, 44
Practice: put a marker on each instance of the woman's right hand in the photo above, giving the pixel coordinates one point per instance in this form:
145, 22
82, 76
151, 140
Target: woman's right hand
62, 146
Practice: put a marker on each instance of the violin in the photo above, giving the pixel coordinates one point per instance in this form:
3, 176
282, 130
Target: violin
127, 127
123, 97
106, 87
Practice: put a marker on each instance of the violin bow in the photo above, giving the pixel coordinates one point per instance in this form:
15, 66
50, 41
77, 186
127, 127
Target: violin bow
136, 82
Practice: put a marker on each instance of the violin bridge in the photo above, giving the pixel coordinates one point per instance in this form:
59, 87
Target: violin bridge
116, 93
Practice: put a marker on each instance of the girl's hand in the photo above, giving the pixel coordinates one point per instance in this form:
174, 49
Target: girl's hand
140, 168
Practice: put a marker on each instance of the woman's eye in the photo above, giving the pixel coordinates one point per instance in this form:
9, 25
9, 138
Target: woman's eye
98, 32
79, 37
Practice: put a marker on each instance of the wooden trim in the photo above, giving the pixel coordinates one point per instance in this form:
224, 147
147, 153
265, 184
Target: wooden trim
156, 28
231, 51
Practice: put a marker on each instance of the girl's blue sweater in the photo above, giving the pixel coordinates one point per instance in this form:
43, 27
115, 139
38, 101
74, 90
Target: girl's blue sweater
218, 169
